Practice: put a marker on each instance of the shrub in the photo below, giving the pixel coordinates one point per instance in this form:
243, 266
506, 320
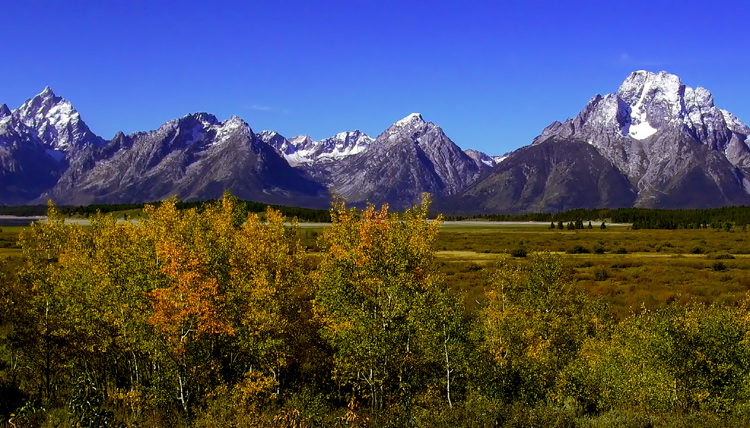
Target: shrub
621, 250
518, 252
718, 266
601, 274
578, 249
697, 250
598, 249
721, 256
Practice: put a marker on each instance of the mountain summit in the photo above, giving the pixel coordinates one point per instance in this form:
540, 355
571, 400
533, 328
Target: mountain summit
57, 123
656, 142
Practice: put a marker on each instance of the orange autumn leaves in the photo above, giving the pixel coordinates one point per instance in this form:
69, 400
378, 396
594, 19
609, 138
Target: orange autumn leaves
189, 305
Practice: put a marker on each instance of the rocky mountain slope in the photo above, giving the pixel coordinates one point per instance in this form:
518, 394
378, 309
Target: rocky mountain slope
410, 157
195, 157
653, 143
26, 166
672, 145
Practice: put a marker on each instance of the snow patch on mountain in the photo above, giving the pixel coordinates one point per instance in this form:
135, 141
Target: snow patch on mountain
499, 159
641, 131
227, 129
735, 124
57, 123
480, 157
638, 127
410, 119
302, 149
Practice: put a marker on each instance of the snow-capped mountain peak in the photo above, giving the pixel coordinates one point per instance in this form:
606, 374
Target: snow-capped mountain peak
734, 124
655, 100
646, 105
302, 142
414, 118
660, 133
47, 92
303, 149
480, 157
4, 111
232, 126
58, 124
411, 126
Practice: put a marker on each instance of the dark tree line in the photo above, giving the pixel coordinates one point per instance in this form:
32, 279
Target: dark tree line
244, 207
641, 218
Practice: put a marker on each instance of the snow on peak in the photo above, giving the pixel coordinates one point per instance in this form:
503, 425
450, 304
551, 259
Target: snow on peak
412, 118
225, 130
638, 126
234, 122
735, 124
303, 150
657, 99
205, 119
302, 142
4, 111
480, 157
57, 123
47, 93
499, 159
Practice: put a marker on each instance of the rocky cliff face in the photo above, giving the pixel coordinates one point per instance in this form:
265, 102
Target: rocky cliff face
195, 157
411, 157
674, 146
26, 166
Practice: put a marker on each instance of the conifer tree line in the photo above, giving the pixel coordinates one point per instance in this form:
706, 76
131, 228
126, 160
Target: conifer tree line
641, 218
217, 317
303, 214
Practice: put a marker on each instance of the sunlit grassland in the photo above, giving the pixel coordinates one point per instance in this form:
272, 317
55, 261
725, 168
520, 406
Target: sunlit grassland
627, 268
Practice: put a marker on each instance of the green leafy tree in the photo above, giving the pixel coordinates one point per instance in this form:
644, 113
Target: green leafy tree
373, 286
534, 325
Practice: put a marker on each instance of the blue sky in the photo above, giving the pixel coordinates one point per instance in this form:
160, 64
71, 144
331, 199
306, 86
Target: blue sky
492, 74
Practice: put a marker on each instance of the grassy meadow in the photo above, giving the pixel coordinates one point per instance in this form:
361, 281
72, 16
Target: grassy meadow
625, 267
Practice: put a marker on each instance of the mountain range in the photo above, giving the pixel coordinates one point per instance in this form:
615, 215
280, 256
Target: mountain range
654, 143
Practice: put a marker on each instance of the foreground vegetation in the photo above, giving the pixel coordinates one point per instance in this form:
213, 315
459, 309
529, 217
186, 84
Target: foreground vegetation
213, 317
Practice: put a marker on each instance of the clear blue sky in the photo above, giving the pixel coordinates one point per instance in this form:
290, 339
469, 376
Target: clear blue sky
493, 74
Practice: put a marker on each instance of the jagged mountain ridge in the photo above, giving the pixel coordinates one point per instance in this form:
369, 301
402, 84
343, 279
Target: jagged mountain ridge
674, 147
410, 157
198, 157
653, 143
194, 157
303, 150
